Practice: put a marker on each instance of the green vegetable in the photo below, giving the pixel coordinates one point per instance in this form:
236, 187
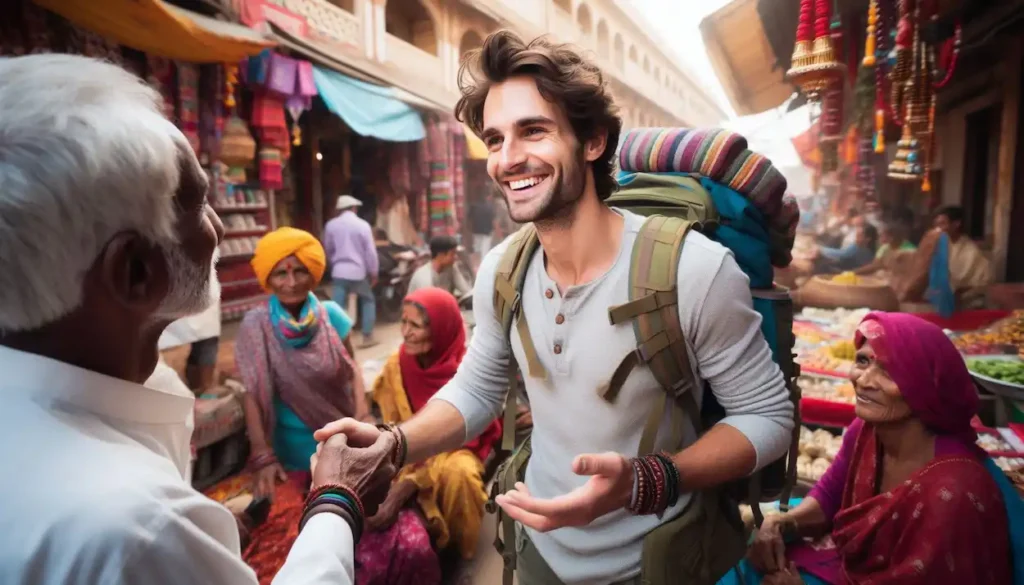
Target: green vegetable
1011, 371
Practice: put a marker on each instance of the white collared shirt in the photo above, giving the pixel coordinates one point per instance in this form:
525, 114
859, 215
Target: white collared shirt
92, 490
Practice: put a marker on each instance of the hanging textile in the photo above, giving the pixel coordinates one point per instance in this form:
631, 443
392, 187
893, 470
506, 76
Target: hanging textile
445, 154
188, 103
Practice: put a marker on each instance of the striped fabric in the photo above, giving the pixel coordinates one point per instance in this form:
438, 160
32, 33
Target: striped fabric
721, 156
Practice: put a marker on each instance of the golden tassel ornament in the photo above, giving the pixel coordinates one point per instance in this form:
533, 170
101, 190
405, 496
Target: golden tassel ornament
230, 79
879, 131
869, 41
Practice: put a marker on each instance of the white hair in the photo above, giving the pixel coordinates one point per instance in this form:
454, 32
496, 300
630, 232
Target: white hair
85, 154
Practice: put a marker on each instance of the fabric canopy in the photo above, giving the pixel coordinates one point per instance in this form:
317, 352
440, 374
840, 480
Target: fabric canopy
475, 148
370, 110
157, 28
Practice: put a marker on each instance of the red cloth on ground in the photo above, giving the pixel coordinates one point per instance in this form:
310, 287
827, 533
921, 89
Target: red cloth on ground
448, 339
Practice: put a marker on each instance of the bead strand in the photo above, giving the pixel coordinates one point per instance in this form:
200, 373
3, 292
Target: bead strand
655, 484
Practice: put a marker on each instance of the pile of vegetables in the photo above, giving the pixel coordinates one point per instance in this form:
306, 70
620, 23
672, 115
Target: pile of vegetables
1011, 371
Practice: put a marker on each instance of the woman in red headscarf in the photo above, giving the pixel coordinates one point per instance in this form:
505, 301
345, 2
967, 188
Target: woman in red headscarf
910, 499
434, 341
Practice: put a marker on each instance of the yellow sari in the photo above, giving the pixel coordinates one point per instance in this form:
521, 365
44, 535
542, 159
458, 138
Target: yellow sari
450, 485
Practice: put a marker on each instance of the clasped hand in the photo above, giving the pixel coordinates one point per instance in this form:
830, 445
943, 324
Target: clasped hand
358, 457
609, 488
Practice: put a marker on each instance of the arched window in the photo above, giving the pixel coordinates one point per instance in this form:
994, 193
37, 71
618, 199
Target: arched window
585, 21
619, 52
410, 21
603, 42
470, 41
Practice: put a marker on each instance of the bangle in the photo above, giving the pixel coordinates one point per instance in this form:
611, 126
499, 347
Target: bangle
655, 484
401, 444
261, 460
335, 496
357, 529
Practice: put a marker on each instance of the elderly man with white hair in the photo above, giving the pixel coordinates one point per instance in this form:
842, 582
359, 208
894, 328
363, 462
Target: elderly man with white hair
106, 237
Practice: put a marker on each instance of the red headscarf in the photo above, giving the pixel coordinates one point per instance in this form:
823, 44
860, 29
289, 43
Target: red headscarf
927, 368
448, 340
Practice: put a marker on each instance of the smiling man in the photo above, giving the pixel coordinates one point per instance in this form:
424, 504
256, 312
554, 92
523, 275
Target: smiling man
551, 128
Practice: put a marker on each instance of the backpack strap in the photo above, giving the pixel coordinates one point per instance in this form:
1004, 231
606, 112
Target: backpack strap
654, 309
508, 282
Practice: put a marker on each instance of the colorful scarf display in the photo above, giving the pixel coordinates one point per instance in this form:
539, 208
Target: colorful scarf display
296, 332
445, 147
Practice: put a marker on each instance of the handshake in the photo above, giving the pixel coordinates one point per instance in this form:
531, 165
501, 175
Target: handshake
352, 470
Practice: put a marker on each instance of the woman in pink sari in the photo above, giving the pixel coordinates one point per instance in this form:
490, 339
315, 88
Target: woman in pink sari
910, 499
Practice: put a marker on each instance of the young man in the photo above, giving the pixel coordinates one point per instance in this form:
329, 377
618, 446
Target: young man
970, 270
107, 238
350, 247
441, 270
551, 128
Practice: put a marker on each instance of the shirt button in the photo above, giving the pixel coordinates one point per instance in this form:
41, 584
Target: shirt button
559, 319
558, 349
549, 293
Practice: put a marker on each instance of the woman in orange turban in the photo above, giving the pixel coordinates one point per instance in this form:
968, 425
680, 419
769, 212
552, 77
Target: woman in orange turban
299, 376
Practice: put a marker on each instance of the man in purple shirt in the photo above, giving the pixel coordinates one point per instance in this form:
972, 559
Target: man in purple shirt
348, 241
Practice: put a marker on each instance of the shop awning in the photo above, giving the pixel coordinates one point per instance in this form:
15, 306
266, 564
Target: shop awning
743, 59
370, 110
475, 148
155, 27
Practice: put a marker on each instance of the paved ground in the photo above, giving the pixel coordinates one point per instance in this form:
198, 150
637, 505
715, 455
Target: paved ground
485, 569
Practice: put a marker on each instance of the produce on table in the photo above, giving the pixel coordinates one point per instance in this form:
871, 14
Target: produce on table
839, 322
817, 451
826, 389
846, 278
993, 443
822, 359
843, 350
1007, 332
1011, 371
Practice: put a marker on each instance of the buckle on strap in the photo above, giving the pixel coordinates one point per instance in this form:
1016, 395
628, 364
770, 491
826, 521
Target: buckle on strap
646, 304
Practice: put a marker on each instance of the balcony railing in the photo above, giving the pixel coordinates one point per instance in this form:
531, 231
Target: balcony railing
329, 22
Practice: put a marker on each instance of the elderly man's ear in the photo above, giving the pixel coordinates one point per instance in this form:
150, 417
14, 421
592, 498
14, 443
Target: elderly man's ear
134, 272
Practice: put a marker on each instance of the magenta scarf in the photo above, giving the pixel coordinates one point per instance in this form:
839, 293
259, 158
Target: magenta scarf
927, 368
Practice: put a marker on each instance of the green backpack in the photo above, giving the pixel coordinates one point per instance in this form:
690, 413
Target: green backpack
704, 542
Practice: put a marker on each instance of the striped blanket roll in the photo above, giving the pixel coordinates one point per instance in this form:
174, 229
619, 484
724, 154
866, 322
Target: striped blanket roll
721, 156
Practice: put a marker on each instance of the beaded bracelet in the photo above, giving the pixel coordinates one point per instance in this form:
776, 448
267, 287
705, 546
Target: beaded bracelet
655, 484
335, 496
401, 444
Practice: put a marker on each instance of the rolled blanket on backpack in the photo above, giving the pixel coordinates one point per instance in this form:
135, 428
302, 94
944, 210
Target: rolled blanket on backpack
723, 157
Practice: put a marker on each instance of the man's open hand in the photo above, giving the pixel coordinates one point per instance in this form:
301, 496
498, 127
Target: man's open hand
609, 488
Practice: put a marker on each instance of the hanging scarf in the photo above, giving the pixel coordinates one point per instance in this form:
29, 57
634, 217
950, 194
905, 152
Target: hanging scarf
296, 333
448, 341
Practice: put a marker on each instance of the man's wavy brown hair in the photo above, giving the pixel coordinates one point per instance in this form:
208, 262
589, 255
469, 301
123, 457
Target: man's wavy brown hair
563, 76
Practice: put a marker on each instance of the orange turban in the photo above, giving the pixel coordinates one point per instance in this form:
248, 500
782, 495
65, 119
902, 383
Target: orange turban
282, 243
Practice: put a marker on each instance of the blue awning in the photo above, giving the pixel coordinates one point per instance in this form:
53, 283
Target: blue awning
370, 110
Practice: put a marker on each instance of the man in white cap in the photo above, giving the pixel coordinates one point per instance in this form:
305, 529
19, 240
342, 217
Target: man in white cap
348, 241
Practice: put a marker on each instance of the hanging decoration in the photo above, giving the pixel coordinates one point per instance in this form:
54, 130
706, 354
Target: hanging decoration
814, 64
902, 69
230, 80
832, 103
948, 56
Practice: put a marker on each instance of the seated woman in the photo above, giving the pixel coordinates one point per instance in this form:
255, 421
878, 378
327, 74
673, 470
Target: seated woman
299, 376
448, 487
910, 499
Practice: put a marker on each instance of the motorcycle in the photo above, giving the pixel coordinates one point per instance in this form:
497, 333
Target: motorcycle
391, 287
